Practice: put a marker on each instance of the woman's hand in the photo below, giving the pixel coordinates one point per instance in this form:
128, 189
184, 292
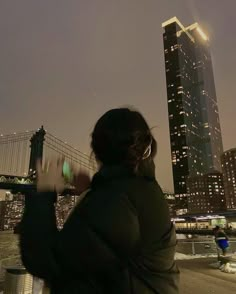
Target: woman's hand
49, 176
81, 180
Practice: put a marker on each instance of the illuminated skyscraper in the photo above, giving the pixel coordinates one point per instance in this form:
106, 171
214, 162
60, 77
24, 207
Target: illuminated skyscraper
206, 193
195, 134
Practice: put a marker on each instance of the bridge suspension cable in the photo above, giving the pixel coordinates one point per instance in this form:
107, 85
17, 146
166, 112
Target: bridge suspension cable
19, 152
15, 153
54, 147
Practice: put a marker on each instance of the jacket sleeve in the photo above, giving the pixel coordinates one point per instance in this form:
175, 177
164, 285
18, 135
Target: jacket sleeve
84, 245
38, 232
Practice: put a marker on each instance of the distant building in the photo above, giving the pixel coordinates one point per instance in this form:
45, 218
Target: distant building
228, 160
206, 193
195, 134
170, 197
63, 208
13, 211
8, 196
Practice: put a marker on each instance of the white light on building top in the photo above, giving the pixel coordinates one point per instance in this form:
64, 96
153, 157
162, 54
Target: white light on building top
202, 34
175, 20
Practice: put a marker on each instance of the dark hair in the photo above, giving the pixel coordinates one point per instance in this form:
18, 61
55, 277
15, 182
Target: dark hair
121, 136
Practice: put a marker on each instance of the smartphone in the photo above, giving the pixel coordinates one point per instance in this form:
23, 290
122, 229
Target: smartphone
67, 172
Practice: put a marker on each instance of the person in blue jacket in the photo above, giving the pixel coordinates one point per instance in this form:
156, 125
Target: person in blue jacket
221, 239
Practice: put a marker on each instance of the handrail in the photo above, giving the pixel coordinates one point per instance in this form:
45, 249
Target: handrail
203, 241
198, 231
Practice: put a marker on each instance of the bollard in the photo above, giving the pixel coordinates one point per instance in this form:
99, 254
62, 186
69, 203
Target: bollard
17, 281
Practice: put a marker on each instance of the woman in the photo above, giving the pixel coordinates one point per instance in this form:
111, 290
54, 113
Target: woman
119, 238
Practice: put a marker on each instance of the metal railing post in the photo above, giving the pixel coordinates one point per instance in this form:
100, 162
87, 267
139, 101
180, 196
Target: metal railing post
17, 281
193, 249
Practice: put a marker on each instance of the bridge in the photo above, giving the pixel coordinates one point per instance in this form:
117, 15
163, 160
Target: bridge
18, 157
19, 153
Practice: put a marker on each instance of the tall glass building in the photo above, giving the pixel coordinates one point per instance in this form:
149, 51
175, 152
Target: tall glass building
195, 134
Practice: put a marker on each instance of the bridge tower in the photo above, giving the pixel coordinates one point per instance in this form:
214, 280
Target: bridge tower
36, 149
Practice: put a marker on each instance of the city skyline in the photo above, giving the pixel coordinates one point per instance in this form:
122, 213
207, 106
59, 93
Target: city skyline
82, 54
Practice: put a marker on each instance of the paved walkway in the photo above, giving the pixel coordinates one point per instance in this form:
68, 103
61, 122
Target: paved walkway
197, 277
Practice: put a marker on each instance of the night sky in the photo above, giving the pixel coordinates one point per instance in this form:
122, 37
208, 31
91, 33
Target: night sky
64, 63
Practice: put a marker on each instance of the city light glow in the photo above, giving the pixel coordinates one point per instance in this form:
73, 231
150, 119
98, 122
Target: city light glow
202, 34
